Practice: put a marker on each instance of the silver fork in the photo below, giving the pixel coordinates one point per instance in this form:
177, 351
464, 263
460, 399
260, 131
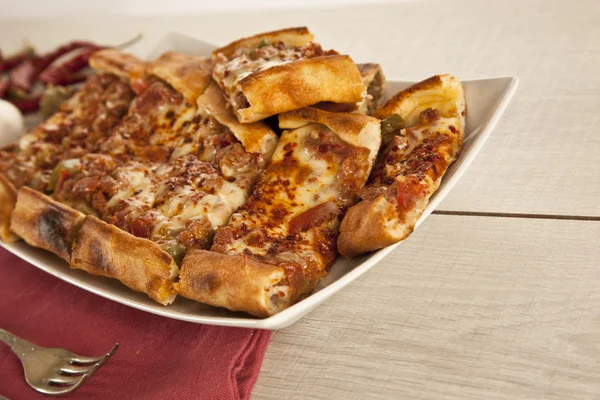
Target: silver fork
53, 371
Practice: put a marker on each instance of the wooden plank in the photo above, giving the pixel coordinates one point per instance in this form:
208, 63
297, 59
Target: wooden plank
542, 157
467, 308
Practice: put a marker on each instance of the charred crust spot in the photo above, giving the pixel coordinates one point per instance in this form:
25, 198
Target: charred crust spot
52, 229
165, 258
99, 259
206, 283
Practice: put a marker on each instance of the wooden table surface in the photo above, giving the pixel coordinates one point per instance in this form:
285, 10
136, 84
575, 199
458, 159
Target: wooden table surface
497, 296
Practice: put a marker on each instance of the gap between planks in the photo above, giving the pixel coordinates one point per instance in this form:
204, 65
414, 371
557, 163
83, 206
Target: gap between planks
518, 215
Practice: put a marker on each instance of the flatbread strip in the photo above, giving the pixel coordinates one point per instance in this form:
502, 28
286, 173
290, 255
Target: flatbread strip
410, 166
8, 198
277, 247
103, 249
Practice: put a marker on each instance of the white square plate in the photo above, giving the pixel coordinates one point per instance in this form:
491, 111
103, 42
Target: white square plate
486, 100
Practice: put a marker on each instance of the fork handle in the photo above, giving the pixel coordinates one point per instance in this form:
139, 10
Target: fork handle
16, 344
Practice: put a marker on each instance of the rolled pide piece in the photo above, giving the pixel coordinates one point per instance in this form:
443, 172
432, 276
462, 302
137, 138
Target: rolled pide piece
275, 72
276, 248
422, 128
78, 126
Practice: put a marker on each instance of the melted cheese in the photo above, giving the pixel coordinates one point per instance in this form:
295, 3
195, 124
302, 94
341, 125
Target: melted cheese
136, 186
318, 187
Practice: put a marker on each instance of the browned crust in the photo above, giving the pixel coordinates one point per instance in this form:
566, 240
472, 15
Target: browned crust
256, 137
355, 129
103, 249
45, 223
238, 283
8, 199
299, 84
363, 229
188, 74
439, 92
390, 106
375, 83
296, 37
117, 63
348, 124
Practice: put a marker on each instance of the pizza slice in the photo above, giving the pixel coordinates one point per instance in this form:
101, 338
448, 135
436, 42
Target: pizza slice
284, 70
277, 247
423, 128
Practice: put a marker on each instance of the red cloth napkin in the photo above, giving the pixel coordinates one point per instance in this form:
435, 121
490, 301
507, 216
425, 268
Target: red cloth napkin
158, 358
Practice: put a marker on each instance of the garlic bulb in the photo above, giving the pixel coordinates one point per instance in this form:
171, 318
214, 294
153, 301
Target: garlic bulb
11, 123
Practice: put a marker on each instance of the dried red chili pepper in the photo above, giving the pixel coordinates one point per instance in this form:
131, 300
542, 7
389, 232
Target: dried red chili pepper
71, 79
18, 58
44, 61
23, 75
56, 75
28, 104
60, 74
4, 83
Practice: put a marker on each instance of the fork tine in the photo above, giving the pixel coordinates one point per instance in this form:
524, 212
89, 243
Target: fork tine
58, 390
75, 369
81, 360
77, 359
63, 380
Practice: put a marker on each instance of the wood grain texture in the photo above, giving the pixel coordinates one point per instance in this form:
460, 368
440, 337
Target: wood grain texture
542, 156
466, 308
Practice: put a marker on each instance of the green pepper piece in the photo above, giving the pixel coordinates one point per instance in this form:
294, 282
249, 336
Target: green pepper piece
52, 98
177, 251
54, 177
392, 124
86, 208
63, 165
263, 43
